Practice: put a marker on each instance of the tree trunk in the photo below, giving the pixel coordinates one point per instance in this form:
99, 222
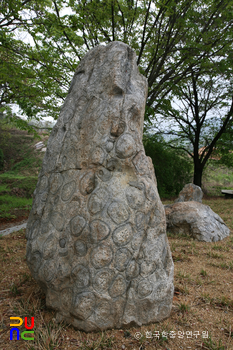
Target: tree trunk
197, 177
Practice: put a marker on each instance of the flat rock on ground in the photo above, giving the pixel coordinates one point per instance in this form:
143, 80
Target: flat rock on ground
197, 220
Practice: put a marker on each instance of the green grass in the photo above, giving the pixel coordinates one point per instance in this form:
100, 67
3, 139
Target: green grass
7, 203
217, 177
10, 180
212, 345
27, 163
4, 188
182, 307
215, 255
203, 273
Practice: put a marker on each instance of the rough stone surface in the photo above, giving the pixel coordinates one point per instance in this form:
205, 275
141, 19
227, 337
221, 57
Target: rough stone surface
197, 220
190, 192
97, 231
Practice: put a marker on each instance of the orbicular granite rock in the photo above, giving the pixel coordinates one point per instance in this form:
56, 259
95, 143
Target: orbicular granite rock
97, 233
197, 220
190, 192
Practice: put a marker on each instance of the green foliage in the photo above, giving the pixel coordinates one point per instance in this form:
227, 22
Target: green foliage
183, 48
172, 167
26, 183
225, 146
8, 203
26, 163
1, 159
169, 37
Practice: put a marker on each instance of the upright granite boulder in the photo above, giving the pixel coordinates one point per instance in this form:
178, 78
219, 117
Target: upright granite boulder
190, 192
96, 233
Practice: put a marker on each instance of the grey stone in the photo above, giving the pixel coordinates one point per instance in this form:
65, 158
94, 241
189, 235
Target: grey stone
197, 220
190, 192
97, 232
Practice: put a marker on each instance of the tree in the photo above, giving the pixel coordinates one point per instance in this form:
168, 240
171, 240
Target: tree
170, 38
175, 41
201, 110
23, 78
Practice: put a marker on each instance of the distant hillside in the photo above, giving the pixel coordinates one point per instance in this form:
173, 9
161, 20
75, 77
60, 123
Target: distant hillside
18, 178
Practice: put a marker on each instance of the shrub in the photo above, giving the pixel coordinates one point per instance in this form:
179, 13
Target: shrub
172, 167
1, 159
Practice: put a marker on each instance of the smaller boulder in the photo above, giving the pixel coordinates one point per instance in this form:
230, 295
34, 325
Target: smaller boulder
190, 192
197, 220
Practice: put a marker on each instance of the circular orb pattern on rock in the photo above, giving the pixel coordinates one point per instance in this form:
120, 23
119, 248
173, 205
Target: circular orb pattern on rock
109, 145
118, 212
63, 269
104, 174
101, 256
118, 287
84, 305
132, 270
44, 227
103, 280
122, 235
49, 270
87, 183
99, 230
147, 268
97, 201
103, 314
44, 197
72, 207
62, 242
55, 182
113, 164
144, 289
34, 231
140, 221
80, 248
137, 240
66, 298
80, 275
57, 220
77, 225
67, 190
122, 258
50, 247
35, 261
43, 184
98, 156
125, 146
135, 197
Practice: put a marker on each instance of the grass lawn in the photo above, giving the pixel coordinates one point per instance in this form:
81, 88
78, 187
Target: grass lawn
15, 204
203, 300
